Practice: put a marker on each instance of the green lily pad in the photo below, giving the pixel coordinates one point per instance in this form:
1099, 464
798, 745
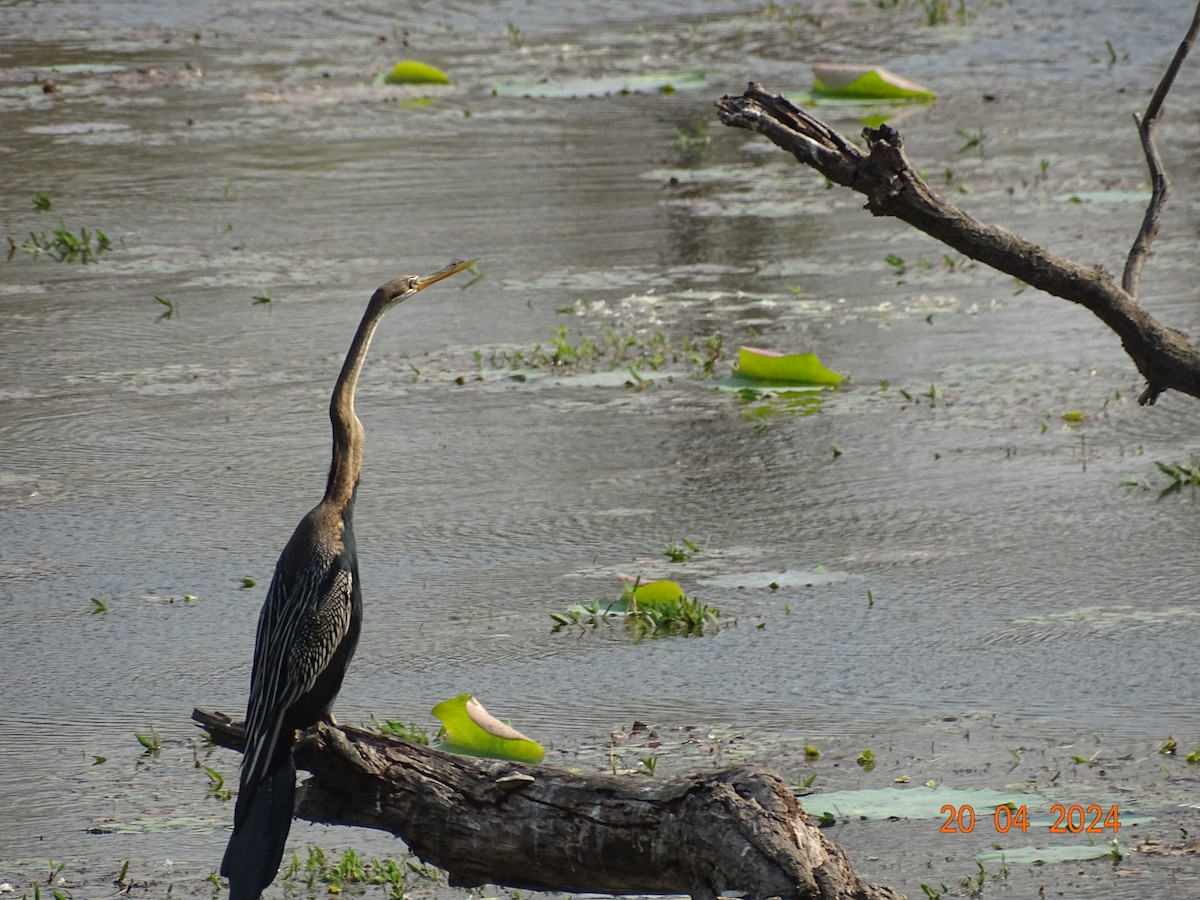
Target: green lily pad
410, 71
850, 82
786, 368
911, 803
647, 593
931, 803
472, 731
1021, 856
655, 593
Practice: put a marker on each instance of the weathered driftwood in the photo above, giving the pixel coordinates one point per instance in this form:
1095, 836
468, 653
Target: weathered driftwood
1163, 355
538, 828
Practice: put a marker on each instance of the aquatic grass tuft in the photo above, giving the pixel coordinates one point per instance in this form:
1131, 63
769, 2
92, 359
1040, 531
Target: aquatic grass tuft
61, 243
56, 869
394, 876
216, 784
64, 245
171, 311
972, 138
152, 741
612, 350
409, 731
681, 550
1181, 475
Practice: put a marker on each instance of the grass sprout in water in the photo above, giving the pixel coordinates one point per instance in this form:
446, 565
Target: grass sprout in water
63, 245
409, 731
171, 312
1181, 475
152, 741
643, 617
350, 869
680, 551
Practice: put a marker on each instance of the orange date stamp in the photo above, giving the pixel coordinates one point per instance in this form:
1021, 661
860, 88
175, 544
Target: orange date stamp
1073, 819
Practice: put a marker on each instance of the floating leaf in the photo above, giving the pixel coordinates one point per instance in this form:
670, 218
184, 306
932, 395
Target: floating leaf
656, 593
472, 731
410, 71
1023, 856
928, 802
909, 803
850, 82
792, 368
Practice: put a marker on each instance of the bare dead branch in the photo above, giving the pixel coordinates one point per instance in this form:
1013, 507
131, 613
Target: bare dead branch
538, 828
1163, 355
1160, 188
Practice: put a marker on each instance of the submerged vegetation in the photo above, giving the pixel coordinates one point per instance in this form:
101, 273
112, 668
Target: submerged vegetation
612, 350
395, 877
691, 141
936, 12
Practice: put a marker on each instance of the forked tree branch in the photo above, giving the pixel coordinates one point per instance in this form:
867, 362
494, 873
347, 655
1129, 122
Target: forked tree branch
1160, 189
1163, 355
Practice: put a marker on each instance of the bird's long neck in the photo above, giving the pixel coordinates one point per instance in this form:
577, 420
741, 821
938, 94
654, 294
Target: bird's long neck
348, 435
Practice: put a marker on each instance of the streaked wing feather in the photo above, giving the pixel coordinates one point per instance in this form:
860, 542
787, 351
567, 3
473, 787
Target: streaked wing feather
291, 649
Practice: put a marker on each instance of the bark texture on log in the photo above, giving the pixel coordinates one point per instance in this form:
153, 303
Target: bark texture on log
1163, 355
538, 828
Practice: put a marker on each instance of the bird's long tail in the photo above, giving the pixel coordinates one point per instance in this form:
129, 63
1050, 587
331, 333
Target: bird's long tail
260, 833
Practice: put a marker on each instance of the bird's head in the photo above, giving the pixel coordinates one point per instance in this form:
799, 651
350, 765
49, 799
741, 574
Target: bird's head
400, 289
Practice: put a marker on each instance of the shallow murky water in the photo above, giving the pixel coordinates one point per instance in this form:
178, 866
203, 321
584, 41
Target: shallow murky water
1025, 602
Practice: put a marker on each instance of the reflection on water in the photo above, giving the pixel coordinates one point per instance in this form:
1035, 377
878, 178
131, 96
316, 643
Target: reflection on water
234, 153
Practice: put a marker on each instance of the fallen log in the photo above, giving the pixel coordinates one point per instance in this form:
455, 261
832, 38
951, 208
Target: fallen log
538, 828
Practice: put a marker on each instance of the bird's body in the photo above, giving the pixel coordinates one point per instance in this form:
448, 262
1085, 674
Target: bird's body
308, 629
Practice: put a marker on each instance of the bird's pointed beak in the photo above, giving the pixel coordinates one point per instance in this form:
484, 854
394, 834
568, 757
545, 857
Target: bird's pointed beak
454, 268
399, 289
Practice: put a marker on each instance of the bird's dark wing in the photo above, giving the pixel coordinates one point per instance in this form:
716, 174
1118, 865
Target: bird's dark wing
304, 619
